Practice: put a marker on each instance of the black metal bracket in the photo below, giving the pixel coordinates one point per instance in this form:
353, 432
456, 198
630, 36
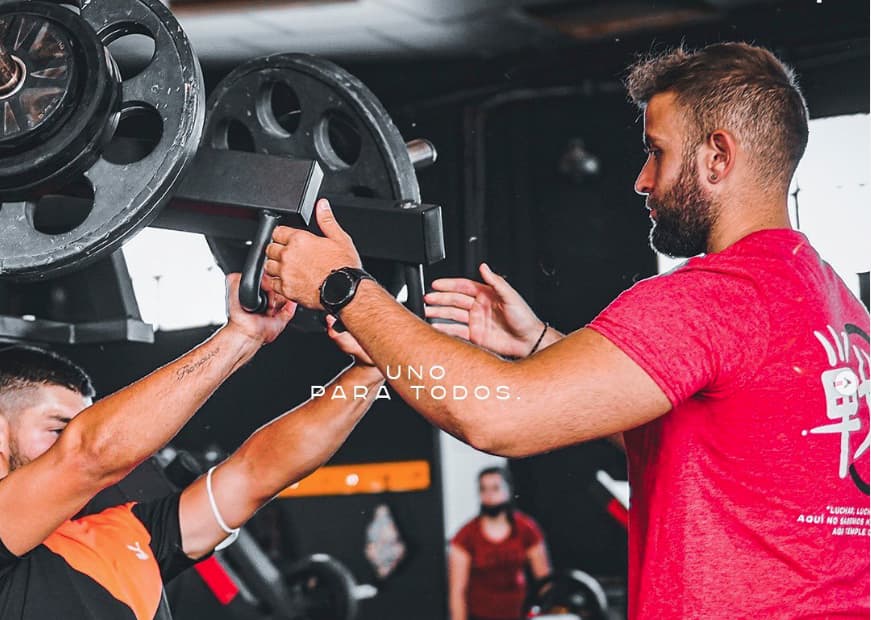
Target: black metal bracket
241, 180
222, 196
14, 329
93, 305
223, 191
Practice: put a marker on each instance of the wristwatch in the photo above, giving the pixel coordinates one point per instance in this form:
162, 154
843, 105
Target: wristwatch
338, 288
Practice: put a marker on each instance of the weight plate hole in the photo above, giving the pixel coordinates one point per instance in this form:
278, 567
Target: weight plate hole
133, 52
234, 135
63, 210
138, 134
279, 109
337, 140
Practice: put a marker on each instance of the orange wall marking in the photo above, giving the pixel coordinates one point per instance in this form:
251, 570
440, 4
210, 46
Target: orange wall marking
394, 477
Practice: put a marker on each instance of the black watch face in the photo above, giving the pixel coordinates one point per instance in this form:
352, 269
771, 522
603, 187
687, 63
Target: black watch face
337, 287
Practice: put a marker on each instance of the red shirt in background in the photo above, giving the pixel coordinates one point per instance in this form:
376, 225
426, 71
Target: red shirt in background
497, 583
750, 497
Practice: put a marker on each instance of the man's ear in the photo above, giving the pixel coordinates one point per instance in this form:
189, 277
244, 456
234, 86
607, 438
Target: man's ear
4, 446
722, 148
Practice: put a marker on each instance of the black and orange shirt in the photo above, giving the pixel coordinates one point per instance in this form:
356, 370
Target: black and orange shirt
107, 566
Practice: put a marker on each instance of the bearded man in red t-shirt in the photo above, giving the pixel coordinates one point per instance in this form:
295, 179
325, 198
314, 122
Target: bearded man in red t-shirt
740, 380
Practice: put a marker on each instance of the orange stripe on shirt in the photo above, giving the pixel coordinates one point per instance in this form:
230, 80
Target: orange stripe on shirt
113, 548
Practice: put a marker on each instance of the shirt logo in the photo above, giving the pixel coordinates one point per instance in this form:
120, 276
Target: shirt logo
846, 383
137, 549
846, 391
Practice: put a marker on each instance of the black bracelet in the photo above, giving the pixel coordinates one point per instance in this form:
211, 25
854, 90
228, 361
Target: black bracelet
540, 338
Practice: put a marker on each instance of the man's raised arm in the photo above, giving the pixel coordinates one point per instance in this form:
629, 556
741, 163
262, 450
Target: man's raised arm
278, 454
107, 440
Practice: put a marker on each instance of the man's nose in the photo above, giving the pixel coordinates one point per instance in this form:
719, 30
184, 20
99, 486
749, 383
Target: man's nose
644, 182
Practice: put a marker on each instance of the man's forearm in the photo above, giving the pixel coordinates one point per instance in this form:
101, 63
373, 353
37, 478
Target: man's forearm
278, 454
484, 400
123, 429
295, 444
455, 385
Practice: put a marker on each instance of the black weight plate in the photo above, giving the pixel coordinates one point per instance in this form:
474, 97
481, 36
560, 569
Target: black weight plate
127, 194
568, 591
64, 108
321, 588
304, 107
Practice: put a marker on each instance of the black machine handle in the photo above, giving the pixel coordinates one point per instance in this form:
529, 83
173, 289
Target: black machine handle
251, 297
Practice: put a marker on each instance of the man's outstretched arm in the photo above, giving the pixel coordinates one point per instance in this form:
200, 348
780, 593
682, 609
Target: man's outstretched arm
107, 440
580, 388
278, 454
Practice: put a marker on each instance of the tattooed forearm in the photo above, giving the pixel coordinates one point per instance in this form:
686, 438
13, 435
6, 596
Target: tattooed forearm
195, 365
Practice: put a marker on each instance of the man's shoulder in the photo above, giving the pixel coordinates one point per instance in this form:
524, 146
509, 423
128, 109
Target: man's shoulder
717, 274
696, 282
755, 253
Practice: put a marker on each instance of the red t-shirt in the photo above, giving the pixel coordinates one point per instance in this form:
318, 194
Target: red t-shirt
750, 497
497, 584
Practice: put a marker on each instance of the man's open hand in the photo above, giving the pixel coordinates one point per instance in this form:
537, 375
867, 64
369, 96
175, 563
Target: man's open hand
490, 314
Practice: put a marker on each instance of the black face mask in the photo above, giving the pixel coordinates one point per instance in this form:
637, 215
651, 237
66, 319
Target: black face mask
495, 510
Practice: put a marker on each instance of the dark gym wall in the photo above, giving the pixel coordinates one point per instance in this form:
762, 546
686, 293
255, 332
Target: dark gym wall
569, 245
279, 378
570, 241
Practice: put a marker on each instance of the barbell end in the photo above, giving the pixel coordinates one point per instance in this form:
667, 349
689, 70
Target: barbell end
422, 153
10, 72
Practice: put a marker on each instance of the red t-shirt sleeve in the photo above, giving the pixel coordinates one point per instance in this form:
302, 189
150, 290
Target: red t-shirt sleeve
465, 537
530, 532
691, 330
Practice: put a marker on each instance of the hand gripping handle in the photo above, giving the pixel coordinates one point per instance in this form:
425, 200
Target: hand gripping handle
251, 297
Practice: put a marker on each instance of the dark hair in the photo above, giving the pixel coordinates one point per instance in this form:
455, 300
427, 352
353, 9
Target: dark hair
22, 366
735, 86
499, 471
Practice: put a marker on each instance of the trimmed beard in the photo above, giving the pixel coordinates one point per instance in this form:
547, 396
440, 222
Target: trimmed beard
685, 215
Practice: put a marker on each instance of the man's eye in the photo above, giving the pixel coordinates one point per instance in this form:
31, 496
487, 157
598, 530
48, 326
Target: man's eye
57, 431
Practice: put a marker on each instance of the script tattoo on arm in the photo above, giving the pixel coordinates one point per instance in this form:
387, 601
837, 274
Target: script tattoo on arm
195, 365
